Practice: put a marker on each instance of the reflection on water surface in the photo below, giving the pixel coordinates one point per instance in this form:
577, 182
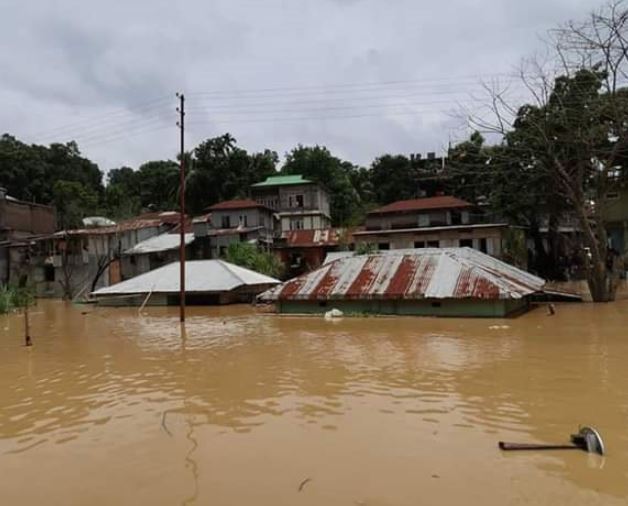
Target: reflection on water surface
110, 407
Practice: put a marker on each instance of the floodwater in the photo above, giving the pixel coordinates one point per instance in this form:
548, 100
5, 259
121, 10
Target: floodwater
112, 407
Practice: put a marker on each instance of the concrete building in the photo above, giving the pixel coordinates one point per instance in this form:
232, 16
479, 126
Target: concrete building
436, 222
300, 204
21, 224
70, 263
233, 221
616, 218
420, 282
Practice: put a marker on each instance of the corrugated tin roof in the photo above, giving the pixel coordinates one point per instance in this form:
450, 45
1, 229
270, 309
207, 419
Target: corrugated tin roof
430, 230
236, 204
282, 181
332, 256
232, 231
200, 276
442, 202
163, 242
315, 237
145, 220
411, 274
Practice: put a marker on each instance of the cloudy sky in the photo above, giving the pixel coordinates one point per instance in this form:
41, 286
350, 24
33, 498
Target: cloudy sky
363, 77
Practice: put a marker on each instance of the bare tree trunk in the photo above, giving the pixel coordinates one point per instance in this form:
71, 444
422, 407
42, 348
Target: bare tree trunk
66, 284
600, 276
103, 263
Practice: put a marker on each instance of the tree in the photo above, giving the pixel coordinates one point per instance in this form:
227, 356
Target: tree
158, 183
123, 193
219, 170
29, 171
575, 134
248, 256
495, 176
469, 170
394, 177
74, 201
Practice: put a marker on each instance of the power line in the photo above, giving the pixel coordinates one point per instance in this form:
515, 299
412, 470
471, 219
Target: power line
350, 86
102, 118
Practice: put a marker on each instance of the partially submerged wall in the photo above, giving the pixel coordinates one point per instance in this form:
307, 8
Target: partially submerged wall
426, 307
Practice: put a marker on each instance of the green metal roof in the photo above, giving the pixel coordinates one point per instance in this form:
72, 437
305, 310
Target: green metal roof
282, 181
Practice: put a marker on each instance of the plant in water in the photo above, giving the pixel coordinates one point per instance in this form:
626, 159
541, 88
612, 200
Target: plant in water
247, 255
6, 299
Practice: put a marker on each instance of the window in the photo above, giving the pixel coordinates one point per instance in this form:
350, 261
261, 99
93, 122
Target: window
295, 200
419, 244
296, 224
49, 272
424, 220
466, 243
456, 218
433, 244
438, 219
244, 221
383, 246
612, 196
226, 222
483, 246
296, 259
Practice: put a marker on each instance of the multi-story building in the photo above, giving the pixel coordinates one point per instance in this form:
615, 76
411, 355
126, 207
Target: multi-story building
615, 215
20, 223
435, 222
233, 221
300, 204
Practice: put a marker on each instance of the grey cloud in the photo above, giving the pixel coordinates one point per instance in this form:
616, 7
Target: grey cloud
91, 64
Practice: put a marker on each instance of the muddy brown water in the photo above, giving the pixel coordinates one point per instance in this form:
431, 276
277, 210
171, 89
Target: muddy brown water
110, 407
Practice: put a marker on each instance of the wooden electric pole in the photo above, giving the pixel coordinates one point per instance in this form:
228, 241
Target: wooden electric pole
181, 125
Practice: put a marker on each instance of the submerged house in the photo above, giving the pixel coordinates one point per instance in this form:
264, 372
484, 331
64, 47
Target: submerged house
22, 226
207, 282
421, 282
232, 221
440, 222
305, 250
300, 204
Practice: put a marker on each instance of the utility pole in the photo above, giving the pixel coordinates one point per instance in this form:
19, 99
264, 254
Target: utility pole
181, 125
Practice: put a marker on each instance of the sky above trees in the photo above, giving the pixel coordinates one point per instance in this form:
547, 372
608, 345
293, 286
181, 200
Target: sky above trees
362, 77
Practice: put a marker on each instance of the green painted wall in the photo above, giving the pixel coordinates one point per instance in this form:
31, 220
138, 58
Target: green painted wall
426, 307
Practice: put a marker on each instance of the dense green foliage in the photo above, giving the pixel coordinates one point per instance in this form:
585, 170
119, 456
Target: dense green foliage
12, 297
248, 256
219, 170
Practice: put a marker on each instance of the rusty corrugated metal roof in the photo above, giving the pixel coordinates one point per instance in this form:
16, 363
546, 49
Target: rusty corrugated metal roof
429, 203
227, 205
411, 274
314, 237
145, 220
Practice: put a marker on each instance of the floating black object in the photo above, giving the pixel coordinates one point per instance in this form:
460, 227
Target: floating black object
587, 439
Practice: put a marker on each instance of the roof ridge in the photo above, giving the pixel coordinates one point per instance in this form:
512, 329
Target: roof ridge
227, 266
495, 277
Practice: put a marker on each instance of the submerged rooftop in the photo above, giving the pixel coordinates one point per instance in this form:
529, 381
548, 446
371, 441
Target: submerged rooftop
201, 276
411, 274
